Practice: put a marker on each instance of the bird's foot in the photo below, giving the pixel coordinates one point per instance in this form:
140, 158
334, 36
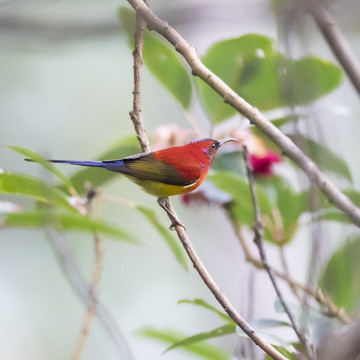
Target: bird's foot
175, 221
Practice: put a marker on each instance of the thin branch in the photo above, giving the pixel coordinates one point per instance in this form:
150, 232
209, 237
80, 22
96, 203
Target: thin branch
258, 239
135, 114
233, 99
331, 309
218, 293
98, 264
77, 281
323, 18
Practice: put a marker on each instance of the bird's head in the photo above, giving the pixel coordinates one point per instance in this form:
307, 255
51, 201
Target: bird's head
210, 146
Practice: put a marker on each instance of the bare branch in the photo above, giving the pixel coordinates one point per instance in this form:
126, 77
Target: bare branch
81, 288
135, 114
219, 295
334, 37
233, 99
258, 239
93, 298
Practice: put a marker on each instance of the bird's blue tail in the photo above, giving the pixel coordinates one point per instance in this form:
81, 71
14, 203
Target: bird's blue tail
102, 164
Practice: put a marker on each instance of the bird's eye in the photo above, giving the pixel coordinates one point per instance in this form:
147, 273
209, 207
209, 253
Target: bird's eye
213, 146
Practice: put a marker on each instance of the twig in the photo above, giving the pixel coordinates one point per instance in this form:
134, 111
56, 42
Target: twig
219, 295
135, 114
80, 286
93, 298
331, 309
258, 240
334, 37
233, 99
98, 265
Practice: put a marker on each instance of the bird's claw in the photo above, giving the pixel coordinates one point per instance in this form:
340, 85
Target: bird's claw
177, 222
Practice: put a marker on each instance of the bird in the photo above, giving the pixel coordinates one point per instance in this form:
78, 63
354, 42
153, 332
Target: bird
167, 172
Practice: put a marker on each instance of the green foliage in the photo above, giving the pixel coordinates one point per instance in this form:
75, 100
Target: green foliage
21, 184
326, 159
252, 67
340, 277
239, 190
203, 350
161, 60
171, 242
64, 222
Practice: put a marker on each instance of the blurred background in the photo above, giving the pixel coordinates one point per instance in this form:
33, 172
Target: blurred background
65, 92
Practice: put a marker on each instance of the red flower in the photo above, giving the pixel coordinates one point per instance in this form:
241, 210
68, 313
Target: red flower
262, 165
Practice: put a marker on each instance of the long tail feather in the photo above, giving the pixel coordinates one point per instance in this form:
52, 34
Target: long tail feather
102, 164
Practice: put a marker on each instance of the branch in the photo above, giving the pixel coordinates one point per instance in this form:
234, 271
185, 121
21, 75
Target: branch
219, 295
93, 298
258, 239
80, 286
335, 39
135, 114
233, 99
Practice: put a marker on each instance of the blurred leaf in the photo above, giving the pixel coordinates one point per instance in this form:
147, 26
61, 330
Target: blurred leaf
267, 323
65, 222
290, 205
318, 326
205, 350
290, 355
220, 331
171, 242
203, 303
265, 78
161, 60
324, 157
238, 188
48, 165
271, 338
21, 184
125, 147
228, 59
340, 277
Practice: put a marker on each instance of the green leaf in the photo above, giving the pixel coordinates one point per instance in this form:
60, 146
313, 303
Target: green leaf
163, 63
265, 78
340, 277
326, 159
125, 147
21, 184
220, 331
271, 338
290, 205
48, 165
171, 242
65, 222
204, 304
203, 350
228, 59
239, 190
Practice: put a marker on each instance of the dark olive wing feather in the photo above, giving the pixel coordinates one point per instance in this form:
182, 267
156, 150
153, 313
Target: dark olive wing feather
144, 166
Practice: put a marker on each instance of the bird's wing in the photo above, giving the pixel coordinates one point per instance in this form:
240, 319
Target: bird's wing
144, 166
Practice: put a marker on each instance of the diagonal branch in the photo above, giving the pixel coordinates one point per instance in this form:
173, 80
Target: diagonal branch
258, 240
335, 39
230, 97
219, 295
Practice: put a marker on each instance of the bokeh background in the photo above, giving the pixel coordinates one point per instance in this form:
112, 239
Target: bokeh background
65, 92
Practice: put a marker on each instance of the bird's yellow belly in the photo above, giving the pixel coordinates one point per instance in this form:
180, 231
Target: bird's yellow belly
160, 189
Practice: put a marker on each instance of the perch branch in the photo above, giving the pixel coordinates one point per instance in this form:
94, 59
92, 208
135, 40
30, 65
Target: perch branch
233, 99
135, 114
219, 295
258, 240
335, 39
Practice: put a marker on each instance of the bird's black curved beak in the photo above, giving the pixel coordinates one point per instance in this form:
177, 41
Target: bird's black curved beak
224, 141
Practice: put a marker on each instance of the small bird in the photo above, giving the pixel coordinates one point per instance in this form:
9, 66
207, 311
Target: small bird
173, 171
